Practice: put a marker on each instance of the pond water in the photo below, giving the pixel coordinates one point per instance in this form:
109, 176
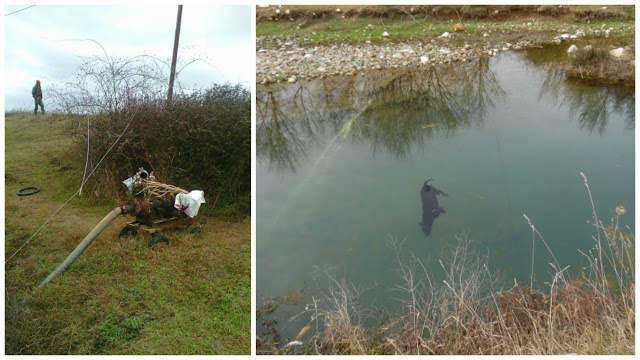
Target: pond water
341, 163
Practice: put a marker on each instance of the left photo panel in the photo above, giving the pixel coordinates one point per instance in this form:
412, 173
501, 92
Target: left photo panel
127, 179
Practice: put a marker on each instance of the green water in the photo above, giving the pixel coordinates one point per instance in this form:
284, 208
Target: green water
341, 163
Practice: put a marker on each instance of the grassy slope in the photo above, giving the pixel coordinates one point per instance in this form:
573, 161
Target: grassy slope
119, 297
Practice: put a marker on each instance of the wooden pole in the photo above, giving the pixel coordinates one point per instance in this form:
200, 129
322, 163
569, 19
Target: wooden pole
175, 54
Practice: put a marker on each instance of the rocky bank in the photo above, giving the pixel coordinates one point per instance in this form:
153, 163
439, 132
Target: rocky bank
294, 58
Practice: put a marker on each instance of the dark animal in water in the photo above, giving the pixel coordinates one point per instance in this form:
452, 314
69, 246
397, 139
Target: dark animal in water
431, 209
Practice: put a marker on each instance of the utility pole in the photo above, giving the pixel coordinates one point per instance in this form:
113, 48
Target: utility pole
175, 54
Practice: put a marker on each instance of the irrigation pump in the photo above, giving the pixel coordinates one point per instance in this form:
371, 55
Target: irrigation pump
156, 207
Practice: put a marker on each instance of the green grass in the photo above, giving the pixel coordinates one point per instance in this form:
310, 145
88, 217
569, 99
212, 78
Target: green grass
190, 297
358, 30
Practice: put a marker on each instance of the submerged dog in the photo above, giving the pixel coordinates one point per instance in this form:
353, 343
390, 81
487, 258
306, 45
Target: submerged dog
431, 209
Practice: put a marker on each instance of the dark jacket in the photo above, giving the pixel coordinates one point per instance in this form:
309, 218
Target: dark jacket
36, 91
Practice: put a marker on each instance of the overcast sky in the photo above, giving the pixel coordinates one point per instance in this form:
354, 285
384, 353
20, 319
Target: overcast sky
37, 45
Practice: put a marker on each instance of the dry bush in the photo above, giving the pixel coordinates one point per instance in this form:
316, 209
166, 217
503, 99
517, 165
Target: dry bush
590, 56
200, 141
598, 64
344, 320
552, 10
588, 15
447, 319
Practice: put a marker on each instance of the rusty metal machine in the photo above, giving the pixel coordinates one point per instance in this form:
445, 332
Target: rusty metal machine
153, 207
156, 207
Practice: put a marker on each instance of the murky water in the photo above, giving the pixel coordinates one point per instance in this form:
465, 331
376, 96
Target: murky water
341, 163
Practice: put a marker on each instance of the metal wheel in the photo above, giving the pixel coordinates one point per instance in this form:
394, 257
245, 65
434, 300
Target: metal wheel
158, 238
127, 231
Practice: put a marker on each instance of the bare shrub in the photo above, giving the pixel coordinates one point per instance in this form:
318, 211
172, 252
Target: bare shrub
109, 85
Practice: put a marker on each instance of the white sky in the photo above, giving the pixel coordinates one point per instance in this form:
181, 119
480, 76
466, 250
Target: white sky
36, 42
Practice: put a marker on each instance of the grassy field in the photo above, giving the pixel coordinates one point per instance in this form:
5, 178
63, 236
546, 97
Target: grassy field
356, 23
120, 297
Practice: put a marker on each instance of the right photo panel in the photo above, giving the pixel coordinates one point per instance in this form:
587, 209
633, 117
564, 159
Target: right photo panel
445, 179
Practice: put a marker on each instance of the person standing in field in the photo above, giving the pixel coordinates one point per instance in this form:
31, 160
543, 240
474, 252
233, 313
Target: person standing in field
36, 92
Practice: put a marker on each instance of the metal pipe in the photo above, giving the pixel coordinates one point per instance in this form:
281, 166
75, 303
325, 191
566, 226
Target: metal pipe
83, 245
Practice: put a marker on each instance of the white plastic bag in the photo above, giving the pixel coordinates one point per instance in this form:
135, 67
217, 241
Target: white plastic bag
129, 183
190, 203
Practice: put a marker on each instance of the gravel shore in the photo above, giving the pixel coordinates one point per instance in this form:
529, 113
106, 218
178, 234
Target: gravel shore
293, 58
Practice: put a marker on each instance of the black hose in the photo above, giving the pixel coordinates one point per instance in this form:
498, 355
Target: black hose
26, 192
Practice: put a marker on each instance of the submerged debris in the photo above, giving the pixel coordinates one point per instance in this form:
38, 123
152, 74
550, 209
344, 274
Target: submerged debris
293, 343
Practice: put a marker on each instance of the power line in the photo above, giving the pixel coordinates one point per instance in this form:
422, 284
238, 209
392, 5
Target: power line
20, 10
103, 50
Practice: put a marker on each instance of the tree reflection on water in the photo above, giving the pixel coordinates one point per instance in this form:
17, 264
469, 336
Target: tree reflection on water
415, 106
394, 112
591, 105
